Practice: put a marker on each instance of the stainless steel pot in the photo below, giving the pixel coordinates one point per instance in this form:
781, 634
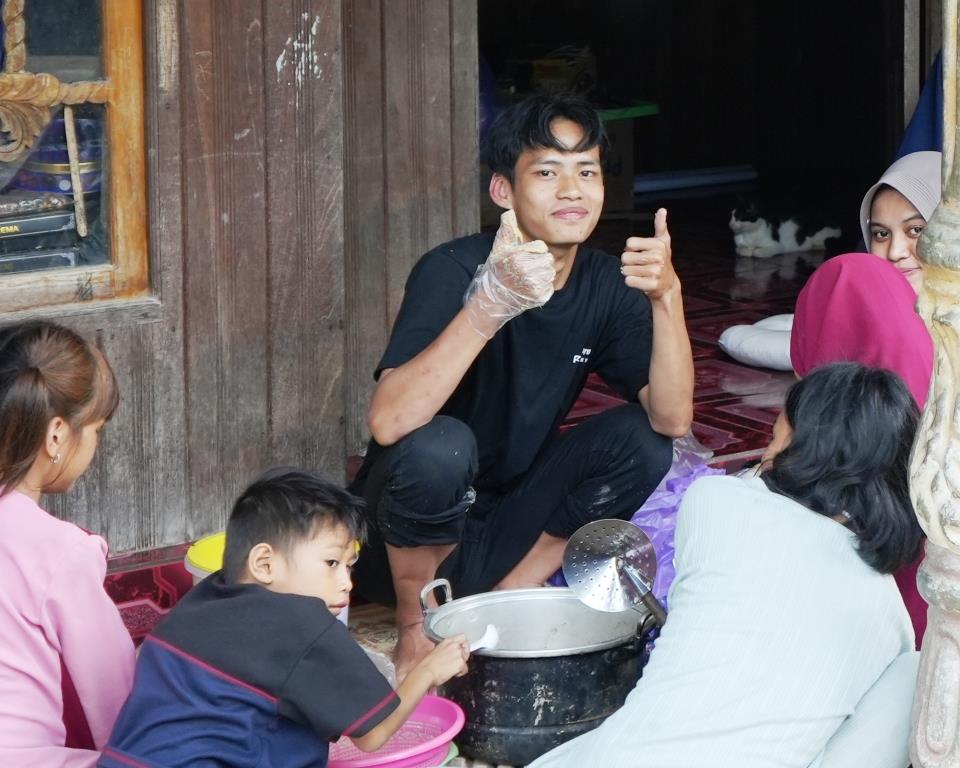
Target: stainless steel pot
532, 623
559, 669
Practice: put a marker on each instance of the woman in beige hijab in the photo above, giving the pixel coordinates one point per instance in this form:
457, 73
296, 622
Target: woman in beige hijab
896, 209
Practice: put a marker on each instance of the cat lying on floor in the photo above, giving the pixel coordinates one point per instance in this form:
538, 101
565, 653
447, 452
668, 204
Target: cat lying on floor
761, 234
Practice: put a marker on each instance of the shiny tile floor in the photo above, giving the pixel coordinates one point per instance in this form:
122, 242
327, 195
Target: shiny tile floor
734, 405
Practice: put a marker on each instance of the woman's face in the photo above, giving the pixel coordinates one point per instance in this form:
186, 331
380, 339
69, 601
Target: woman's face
895, 228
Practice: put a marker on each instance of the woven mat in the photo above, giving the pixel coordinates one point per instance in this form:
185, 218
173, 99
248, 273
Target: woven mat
373, 627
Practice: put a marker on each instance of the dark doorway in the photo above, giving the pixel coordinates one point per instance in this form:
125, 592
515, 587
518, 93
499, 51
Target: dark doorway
809, 94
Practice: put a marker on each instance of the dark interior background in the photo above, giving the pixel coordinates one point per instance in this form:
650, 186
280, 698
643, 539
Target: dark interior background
809, 94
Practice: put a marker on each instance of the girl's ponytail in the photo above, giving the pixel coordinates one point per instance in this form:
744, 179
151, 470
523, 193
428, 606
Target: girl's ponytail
46, 371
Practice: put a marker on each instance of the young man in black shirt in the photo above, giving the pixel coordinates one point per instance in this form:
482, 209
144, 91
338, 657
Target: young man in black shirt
466, 476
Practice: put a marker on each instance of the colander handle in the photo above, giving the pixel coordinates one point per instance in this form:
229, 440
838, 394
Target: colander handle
429, 587
646, 595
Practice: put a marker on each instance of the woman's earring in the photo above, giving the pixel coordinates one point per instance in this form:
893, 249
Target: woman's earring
56, 459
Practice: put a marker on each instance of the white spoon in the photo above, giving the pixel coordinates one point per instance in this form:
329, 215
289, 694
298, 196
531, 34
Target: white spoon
489, 639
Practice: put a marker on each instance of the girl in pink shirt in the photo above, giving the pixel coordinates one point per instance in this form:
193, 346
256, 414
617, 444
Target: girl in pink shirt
66, 661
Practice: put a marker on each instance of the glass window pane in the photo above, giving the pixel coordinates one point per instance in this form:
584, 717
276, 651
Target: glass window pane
64, 38
39, 208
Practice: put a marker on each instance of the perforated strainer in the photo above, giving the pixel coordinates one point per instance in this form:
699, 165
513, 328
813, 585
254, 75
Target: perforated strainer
611, 565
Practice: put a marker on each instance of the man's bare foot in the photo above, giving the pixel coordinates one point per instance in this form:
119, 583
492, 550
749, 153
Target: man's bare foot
412, 568
412, 646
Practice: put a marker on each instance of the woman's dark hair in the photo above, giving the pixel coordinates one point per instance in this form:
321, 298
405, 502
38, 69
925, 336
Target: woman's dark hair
849, 454
283, 507
526, 125
46, 371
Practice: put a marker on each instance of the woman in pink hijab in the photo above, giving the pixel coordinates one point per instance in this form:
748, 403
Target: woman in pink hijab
859, 308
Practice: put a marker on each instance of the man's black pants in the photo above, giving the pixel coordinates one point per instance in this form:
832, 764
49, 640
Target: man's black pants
419, 492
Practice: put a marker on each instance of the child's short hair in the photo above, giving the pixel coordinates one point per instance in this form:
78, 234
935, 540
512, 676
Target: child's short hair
46, 371
283, 507
526, 125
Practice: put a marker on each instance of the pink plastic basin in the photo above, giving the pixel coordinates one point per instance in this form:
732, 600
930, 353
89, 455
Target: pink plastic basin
421, 742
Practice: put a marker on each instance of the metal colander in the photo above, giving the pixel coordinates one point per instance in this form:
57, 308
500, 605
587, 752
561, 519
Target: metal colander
611, 565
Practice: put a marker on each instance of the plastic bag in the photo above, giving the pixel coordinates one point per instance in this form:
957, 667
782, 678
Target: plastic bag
658, 516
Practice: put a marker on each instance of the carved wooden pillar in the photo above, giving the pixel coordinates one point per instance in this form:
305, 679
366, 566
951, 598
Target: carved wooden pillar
935, 464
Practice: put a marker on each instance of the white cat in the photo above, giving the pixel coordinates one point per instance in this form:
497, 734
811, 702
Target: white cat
754, 236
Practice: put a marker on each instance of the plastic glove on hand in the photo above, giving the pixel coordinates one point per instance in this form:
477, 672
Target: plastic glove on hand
516, 276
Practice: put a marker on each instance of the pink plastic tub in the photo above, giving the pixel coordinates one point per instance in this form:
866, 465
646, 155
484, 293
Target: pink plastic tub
422, 742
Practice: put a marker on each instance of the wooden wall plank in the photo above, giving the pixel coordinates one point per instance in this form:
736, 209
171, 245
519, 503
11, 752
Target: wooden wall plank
225, 262
464, 117
168, 515
417, 114
433, 114
404, 225
364, 190
304, 171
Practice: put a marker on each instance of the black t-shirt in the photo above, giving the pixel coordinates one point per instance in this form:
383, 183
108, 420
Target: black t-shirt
525, 380
246, 676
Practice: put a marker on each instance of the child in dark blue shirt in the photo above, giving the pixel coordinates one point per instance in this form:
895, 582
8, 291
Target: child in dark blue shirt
252, 668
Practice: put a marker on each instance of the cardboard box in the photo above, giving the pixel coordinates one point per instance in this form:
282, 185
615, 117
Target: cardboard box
621, 170
618, 178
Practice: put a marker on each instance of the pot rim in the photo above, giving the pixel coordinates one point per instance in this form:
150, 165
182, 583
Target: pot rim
433, 615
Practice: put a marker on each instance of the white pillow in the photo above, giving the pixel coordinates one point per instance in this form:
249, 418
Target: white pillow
765, 344
776, 323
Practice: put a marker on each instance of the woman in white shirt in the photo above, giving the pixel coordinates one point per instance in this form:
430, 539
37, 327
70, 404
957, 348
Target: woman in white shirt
783, 611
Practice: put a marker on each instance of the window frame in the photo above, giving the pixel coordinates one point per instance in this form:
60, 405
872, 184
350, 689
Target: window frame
121, 91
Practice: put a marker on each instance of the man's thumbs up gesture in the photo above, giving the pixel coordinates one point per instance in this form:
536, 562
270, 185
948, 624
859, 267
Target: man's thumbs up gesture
647, 261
